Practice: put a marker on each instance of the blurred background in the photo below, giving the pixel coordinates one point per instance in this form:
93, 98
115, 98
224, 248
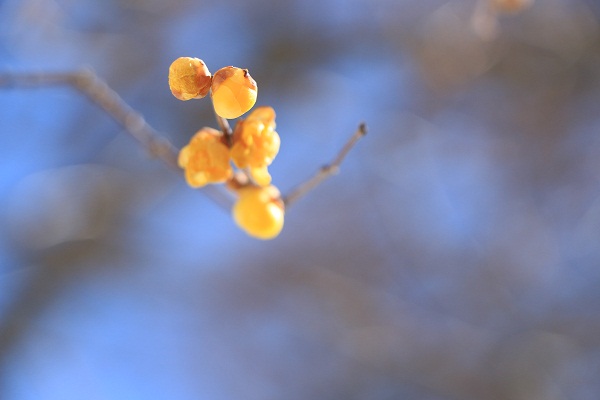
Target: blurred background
456, 255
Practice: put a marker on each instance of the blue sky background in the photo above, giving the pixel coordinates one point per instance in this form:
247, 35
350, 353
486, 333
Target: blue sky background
456, 255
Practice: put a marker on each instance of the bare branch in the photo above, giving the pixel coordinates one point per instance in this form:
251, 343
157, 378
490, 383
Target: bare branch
95, 89
327, 170
225, 128
88, 83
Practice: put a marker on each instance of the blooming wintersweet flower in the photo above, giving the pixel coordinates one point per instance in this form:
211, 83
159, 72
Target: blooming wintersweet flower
205, 159
256, 143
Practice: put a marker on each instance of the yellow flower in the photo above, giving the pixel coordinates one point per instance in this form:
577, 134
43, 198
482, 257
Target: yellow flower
233, 92
189, 78
259, 211
256, 143
205, 159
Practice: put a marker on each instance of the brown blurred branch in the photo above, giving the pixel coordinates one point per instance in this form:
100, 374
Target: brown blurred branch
95, 89
327, 170
225, 128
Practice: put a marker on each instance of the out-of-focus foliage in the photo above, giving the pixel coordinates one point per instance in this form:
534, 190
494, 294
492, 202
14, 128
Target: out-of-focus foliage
457, 255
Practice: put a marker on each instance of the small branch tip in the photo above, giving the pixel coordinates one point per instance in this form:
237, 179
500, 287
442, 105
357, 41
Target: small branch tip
362, 128
326, 170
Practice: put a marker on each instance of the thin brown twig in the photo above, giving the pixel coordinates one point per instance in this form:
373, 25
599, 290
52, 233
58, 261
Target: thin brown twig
327, 170
95, 89
89, 84
225, 128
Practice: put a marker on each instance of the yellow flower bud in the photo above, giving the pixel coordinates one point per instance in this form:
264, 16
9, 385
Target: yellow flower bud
259, 211
256, 143
189, 78
205, 159
233, 92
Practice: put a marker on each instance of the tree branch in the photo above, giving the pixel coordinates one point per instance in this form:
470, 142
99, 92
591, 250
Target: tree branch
88, 83
325, 171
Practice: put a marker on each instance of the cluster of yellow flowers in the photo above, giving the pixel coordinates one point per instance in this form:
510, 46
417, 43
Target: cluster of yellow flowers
207, 158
